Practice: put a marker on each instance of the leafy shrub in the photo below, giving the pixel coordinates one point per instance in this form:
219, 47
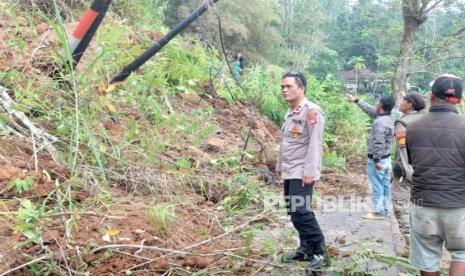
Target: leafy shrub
22, 185
332, 160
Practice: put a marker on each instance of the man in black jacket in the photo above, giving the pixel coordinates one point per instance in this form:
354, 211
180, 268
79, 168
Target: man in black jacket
436, 147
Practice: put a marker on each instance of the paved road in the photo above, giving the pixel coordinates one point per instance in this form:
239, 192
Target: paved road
342, 222
353, 230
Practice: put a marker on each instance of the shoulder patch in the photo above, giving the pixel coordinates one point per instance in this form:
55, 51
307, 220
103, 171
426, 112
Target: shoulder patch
401, 138
312, 115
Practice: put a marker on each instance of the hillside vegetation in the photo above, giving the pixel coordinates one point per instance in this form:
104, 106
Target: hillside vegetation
167, 173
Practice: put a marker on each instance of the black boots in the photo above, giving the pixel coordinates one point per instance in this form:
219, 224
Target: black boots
296, 256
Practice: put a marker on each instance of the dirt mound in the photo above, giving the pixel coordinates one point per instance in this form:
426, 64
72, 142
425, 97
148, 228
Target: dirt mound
128, 220
351, 182
23, 175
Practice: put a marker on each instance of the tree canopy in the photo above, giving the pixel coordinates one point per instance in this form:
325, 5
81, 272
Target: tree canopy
322, 37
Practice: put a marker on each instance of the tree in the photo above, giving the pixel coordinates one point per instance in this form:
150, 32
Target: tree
415, 13
302, 32
359, 64
249, 27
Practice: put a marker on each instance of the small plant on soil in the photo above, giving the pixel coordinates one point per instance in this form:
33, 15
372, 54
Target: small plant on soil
28, 217
269, 247
159, 217
22, 185
332, 160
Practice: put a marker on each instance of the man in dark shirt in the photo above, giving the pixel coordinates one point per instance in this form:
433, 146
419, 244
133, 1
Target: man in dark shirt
436, 149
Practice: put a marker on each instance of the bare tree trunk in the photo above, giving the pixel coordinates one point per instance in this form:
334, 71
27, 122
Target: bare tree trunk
415, 13
399, 80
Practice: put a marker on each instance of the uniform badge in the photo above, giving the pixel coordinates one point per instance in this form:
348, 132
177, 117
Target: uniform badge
297, 121
295, 131
401, 137
312, 118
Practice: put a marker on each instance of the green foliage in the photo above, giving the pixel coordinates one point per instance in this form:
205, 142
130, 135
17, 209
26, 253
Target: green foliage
365, 261
47, 7
243, 193
147, 13
22, 185
325, 63
301, 23
332, 160
184, 163
270, 247
248, 26
27, 223
346, 127
461, 108
248, 238
145, 121
159, 217
229, 162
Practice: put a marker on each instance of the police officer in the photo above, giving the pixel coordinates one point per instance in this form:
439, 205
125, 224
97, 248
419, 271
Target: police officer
300, 162
410, 106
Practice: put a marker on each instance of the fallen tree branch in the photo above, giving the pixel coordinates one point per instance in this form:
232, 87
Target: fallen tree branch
132, 255
25, 265
23, 127
173, 251
138, 246
36, 49
92, 214
235, 229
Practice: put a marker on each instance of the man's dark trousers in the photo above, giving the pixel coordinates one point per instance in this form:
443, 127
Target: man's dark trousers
298, 200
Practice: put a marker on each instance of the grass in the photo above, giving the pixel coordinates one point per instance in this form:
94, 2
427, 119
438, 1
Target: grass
332, 160
159, 217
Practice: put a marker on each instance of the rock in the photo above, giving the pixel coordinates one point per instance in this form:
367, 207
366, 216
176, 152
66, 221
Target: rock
219, 131
4, 37
198, 262
42, 27
155, 35
8, 172
214, 145
267, 175
221, 103
334, 251
190, 97
108, 124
